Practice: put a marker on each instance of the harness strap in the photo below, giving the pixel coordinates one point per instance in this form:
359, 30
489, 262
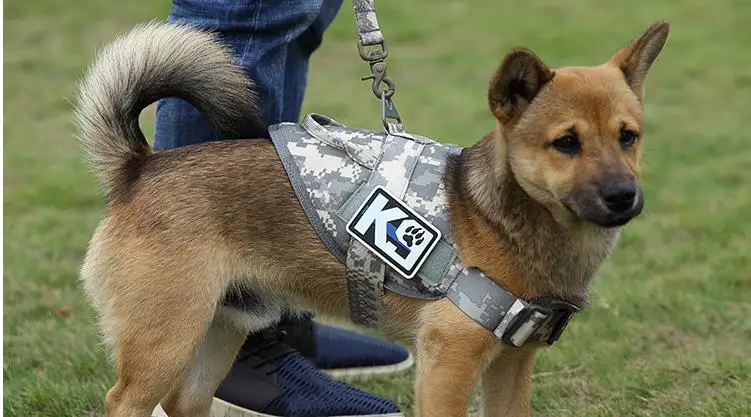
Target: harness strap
408, 166
365, 275
398, 160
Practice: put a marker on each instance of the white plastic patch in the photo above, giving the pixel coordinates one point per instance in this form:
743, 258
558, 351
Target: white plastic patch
394, 232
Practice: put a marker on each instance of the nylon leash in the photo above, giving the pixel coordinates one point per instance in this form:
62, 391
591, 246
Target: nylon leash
372, 48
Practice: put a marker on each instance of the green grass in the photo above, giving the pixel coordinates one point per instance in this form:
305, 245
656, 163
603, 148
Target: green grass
668, 332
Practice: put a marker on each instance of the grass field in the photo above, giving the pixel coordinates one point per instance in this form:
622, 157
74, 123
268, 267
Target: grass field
668, 332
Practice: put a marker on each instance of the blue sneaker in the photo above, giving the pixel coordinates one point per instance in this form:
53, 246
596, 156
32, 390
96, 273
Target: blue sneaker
344, 353
270, 379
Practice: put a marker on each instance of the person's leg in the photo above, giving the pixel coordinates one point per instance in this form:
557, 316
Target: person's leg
260, 34
273, 41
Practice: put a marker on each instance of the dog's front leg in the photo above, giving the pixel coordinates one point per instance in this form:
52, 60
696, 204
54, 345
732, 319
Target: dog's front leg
452, 353
506, 383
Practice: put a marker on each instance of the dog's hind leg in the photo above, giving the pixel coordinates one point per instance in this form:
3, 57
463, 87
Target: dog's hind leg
192, 396
193, 393
156, 320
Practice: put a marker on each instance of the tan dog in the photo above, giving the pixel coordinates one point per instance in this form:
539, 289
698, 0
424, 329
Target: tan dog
537, 205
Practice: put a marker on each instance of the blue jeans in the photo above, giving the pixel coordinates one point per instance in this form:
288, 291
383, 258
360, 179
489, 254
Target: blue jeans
273, 40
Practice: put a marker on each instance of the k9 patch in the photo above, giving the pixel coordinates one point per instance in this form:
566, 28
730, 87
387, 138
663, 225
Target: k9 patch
394, 232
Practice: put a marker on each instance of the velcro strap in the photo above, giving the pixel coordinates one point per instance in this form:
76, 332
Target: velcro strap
367, 22
365, 275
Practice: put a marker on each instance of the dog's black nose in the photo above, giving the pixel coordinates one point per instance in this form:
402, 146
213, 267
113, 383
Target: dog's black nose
619, 196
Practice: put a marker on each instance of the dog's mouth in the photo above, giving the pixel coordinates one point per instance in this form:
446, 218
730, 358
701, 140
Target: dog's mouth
593, 210
615, 222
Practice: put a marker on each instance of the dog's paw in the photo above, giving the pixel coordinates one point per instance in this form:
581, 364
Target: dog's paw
413, 236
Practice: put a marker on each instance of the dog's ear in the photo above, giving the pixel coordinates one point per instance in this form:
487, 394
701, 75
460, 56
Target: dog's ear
516, 82
635, 59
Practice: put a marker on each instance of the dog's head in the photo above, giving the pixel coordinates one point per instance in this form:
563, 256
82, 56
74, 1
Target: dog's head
573, 136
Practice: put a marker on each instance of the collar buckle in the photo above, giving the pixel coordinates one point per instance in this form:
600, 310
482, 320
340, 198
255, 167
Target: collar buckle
544, 319
521, 321
562, 311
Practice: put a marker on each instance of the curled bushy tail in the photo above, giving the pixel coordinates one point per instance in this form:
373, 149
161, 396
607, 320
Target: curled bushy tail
154, 61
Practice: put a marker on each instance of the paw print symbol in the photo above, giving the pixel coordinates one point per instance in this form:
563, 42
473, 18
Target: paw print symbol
413, 235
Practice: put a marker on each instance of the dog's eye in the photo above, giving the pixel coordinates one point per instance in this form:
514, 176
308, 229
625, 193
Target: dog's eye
568, 144
628, 138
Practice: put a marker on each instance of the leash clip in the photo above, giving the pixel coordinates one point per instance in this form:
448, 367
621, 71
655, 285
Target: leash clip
372, 48
376, 57
383, 86
389, 114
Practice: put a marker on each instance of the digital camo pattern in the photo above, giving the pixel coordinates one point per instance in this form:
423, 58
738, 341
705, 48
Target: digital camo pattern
412, 168
328, 162
328, 171
452, 274
398, 160
365, 274
367, 22
480, 298
426, 193
363, 146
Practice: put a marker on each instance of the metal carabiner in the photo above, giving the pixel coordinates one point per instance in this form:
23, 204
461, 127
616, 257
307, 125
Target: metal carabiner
373, 54
383, 86
380, 78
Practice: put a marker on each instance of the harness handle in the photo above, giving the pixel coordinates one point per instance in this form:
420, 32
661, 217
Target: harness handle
371, 47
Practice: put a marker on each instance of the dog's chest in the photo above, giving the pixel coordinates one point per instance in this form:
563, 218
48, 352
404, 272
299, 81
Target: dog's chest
333, 169
566, 263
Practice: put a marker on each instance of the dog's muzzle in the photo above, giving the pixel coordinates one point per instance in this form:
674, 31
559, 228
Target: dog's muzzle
611, 205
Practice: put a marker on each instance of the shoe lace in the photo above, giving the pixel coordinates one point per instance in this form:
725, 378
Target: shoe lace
269, 350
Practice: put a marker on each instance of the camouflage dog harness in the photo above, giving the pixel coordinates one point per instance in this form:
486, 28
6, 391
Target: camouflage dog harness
377, 200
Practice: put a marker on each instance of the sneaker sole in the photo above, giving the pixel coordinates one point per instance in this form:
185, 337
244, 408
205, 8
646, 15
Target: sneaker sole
222, 408
365, 371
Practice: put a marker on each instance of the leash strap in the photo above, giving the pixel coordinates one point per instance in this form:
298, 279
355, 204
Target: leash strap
367, 23
372, 48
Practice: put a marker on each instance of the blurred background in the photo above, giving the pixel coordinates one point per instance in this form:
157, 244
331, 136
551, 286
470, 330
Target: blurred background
668, 332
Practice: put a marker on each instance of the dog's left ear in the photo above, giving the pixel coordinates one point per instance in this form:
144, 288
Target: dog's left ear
517, 81
635, 59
